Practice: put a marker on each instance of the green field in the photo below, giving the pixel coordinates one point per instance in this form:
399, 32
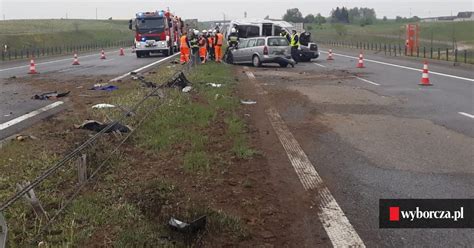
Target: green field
24, 34
441, 33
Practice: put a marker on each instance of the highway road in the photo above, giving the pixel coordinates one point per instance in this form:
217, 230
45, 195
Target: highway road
374, 133
15, 97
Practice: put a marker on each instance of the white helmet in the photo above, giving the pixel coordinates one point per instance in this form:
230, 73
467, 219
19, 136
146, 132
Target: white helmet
196, 32
210, 30
204, 31
233, 30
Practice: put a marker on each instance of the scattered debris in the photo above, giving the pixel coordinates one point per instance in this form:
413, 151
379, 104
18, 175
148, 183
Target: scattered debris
106, 88
8, 114
174, 62
103, 105
248, 102
133, 73
98, 126
148, 84
50, 95
101, 85
187, 89
22, 137
12, 77
214, 85
184, 227
178, 82
152, 72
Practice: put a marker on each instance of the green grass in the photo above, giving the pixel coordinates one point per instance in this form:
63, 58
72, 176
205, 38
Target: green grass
394, 32
20, 34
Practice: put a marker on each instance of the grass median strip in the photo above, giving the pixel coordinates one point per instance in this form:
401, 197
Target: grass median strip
189, 140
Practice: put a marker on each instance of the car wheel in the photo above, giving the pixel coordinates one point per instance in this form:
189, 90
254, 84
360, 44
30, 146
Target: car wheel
166, 53
256, 61
139, 54
283, 65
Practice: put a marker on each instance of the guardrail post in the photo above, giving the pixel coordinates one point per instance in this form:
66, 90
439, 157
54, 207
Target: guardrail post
81, 163
439, 53
417, 52
3, 231
465, 56
395, 50
455, 55
411, 51
447, 54
424, 52
31, 198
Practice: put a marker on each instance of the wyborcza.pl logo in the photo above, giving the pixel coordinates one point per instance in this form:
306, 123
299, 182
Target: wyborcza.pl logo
426, 213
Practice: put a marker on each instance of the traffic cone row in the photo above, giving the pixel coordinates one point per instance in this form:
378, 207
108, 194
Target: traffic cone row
361, 61
425, 80
330, 55
75, 61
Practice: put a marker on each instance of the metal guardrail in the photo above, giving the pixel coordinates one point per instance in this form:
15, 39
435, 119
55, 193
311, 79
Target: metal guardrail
454, 55
12, 54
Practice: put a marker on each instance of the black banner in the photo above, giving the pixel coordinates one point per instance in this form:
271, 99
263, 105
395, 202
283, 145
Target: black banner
426, 213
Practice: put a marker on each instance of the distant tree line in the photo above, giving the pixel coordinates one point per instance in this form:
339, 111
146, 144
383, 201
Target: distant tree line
295, 15
361, 16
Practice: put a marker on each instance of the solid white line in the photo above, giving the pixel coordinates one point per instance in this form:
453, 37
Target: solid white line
337, 226
141, 68
29, 115
405, 67
367, 81
466, 114
319, 65
49, 62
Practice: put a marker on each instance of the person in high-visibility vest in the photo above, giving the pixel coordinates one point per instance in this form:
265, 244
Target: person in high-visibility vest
295, 45
219, 41
210, 42
286, 35
202, 48
184, 46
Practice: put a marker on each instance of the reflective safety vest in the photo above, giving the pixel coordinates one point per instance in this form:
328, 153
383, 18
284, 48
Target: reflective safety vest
220, 39
293, 42
183, 42
194, 42
233, 38
202, 42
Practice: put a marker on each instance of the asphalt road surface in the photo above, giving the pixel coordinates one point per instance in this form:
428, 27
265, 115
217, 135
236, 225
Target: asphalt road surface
15, 98
374, 133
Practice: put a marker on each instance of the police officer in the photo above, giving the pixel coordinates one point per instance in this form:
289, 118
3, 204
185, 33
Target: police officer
295, 45
286, 35
233, 38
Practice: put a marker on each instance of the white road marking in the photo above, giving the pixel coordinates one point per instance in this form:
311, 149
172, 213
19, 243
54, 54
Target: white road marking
320, 65
367, 81
466, 114
405, 67
141, 68
49, 62
335, 222
29, 115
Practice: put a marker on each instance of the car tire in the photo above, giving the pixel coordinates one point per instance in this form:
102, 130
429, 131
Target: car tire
166, 53
284, 65
256, 61
139, 54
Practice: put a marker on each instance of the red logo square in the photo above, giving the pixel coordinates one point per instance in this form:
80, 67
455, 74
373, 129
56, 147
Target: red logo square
394, 213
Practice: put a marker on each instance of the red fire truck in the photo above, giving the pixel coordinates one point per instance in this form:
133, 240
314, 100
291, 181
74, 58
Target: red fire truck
155, 32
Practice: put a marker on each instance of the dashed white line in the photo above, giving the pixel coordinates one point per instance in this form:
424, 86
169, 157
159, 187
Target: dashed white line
337, 226
48, 62
404, 67
320, 65
29, 115
141, 68
367, 81
466, 114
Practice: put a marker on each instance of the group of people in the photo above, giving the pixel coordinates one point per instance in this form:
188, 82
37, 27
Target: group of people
205, 45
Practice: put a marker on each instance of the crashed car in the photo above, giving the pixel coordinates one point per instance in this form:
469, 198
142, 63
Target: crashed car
261, 50
308, 50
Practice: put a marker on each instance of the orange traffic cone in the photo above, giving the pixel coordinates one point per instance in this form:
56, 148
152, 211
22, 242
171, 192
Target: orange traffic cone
76, 61
32, 67
361, 61
330, 55
121, 52
102, 54
425, 80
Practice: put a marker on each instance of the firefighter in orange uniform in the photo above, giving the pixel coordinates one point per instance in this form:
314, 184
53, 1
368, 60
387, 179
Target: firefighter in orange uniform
184, 43
210, 43
218, 42
202, 42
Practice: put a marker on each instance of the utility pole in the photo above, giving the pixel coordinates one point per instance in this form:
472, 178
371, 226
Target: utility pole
96, 13
66, 15
245, 14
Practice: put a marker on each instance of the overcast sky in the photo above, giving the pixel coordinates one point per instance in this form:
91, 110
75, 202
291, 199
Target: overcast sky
212, 9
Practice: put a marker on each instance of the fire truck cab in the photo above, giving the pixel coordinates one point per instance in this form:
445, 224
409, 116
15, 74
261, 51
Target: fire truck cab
155, 32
